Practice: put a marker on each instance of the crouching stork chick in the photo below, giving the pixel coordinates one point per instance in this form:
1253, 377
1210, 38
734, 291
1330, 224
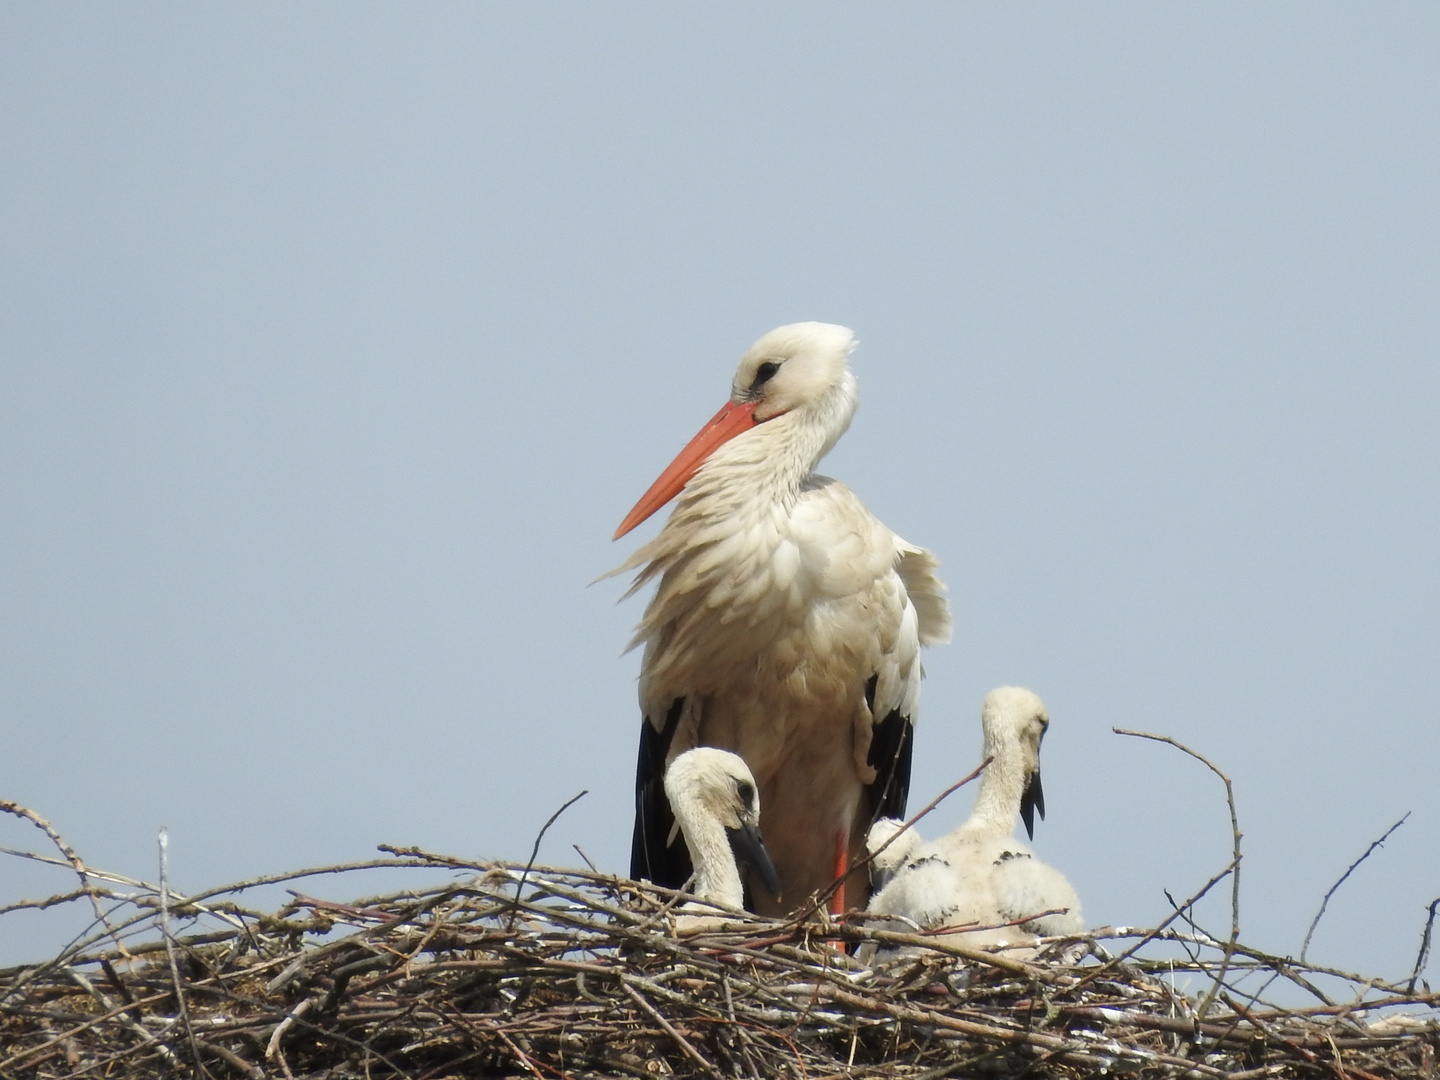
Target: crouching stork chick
717, 809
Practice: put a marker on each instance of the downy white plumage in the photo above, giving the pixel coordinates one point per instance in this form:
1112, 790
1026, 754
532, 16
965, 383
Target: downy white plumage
890, 848
717, 808
787, 623
979, 874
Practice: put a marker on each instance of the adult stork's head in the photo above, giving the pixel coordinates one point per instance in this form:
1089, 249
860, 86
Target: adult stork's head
792, 367
797, 371
1014, 721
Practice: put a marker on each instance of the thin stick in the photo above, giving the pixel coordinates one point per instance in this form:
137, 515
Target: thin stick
123, 1016
930, 806
822, 897
535, 851
1324, 902
1235, 833
1424, 947
680, 1040
73, 859
1151, 935
520, 1055
170, 947
579, 851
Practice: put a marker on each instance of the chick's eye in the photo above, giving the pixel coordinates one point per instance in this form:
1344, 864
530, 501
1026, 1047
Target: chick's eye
763, 374
746, 791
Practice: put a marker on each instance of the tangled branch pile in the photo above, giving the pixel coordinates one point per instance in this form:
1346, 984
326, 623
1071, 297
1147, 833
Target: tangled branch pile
514, 971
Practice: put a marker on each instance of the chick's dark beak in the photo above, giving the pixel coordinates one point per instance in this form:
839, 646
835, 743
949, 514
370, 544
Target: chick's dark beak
1031, 800
750, 851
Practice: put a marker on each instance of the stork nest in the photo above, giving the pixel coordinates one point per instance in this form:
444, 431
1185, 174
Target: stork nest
514, 970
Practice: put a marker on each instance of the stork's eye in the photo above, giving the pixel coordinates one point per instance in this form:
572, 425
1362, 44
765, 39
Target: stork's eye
763, 374
746, 791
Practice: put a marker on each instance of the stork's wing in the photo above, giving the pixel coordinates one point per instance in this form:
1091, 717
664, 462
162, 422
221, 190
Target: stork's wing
1025, 887
891, 745
919, 570
891, 696
652, 856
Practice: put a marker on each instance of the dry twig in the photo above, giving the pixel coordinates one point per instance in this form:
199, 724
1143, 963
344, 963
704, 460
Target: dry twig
1325, 901
1424, 954
1234, 868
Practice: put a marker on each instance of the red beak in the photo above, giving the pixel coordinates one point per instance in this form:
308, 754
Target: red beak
730, 421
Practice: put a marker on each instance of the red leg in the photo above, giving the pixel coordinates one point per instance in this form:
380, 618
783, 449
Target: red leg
842, 868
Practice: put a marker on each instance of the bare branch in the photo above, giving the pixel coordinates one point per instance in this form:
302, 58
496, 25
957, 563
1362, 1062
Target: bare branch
71, 858
164, 844
1305, 947
829, 891
1424, 953
535, 851
1235, 834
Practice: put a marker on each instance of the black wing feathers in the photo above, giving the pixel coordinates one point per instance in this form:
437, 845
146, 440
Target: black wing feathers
891, 746
651, 858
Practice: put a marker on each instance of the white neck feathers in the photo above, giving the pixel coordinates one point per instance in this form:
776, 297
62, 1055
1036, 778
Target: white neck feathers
770, 463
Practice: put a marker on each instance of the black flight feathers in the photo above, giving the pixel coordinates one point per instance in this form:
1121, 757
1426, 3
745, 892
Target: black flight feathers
651, 857
891, 748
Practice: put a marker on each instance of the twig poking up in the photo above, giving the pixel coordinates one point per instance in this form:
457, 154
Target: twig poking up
822, 897
535, 851
165, 929
1151, 935
1234, 867
1305, 947
1424, 953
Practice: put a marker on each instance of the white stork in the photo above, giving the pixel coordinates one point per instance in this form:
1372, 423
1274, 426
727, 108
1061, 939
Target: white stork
717, 807
787, 624
979, 874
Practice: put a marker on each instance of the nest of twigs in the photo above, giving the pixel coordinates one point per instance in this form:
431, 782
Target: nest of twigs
508, 970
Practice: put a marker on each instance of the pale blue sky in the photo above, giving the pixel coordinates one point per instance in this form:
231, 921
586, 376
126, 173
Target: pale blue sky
338, 338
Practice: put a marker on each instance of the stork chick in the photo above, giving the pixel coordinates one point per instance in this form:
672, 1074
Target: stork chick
979, 874
717, 808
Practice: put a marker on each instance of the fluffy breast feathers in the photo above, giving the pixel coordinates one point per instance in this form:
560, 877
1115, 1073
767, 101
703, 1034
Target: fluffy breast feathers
793, 597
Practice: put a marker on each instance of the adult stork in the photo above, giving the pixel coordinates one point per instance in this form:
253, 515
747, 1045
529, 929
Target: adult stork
786, 627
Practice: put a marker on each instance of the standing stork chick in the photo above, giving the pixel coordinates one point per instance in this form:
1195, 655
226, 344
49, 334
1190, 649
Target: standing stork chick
787, 623
717, 808
979, 874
